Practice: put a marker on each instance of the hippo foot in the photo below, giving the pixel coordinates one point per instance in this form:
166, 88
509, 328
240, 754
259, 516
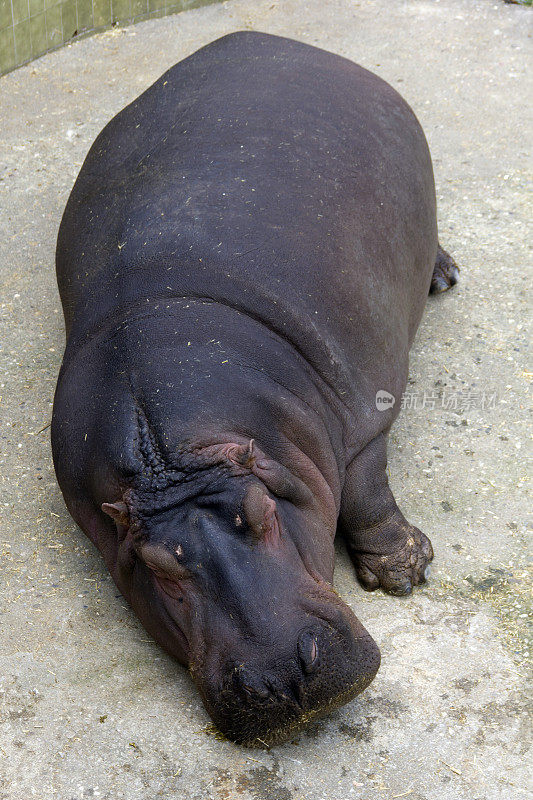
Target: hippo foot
445, 272
394, 556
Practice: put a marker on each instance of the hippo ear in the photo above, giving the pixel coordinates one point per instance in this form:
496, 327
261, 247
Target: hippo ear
260, 511
117, 511
243, 454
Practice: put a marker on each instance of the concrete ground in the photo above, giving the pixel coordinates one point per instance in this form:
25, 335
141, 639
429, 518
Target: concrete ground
89, 706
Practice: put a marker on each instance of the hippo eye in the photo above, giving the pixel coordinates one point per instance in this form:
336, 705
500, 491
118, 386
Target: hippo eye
164, 561
238, 520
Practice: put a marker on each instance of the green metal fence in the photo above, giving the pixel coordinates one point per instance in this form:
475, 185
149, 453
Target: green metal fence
29, 28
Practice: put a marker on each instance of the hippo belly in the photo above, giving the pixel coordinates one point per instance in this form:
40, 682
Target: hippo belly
243, 262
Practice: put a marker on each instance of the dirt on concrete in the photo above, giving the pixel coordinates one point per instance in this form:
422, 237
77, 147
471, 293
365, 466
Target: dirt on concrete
90, 707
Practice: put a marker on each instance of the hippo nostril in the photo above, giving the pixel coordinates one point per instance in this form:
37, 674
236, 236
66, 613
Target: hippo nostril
308, 651
314, 651
251, 683
261, 691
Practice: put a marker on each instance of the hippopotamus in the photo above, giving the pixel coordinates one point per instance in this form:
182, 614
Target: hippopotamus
243, 263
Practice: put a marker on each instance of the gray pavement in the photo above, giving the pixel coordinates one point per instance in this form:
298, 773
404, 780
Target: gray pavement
89, 705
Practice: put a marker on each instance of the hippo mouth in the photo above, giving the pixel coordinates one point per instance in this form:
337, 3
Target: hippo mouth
256, 731
261, 705
263, 697
290, 728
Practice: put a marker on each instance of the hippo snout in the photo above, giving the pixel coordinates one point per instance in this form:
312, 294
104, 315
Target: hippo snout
264, 702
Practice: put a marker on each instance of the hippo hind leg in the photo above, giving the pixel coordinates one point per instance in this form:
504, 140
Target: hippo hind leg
445, 272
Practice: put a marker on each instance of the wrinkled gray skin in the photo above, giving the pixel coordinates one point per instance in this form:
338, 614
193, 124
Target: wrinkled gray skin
243, 263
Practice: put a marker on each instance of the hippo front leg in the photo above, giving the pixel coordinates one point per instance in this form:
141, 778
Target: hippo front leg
386, 550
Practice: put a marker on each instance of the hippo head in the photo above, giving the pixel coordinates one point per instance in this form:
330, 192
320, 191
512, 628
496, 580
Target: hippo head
235, 581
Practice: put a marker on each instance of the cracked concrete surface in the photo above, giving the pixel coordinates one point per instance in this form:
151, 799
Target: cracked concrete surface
89, 705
